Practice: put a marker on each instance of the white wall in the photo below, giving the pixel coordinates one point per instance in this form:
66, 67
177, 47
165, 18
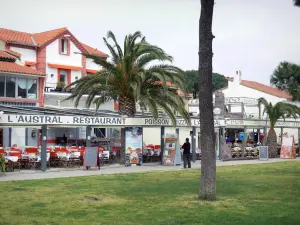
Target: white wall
26, 54
53, 56
32, 141
91, 65
75, 74
51, 81
151, 135
18, 136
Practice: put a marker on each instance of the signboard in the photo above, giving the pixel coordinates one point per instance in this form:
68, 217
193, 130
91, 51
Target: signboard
35, 120
133, 145
263, 152
288, 150
171, 142
91, 157
7, 119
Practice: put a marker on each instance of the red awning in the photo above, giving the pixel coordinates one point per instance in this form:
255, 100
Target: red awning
66, 67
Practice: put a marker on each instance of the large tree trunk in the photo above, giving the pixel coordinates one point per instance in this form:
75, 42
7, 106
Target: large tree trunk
208, 157
127, 107
272, 143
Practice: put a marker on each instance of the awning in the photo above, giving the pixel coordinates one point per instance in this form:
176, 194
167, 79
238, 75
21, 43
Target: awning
91, 71
27, 63
66, 67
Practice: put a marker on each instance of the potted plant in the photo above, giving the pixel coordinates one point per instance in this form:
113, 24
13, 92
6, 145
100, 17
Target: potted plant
2, 164
60, 86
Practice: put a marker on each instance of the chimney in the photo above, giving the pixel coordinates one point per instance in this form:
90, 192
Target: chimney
240, 76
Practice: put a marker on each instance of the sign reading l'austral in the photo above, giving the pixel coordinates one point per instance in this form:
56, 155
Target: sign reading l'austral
72, 120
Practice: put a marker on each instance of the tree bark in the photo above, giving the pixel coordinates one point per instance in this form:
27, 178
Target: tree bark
272, 143
127, 106
208, 153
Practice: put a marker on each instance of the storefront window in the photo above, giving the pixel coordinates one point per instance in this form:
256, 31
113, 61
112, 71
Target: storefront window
10, 87
22, 88
32, 88
2, 85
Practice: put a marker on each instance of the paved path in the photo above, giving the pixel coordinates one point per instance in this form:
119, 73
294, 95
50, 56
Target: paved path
115, 169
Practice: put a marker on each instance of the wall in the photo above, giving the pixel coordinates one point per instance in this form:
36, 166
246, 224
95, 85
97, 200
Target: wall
51, 81
152, 134
26, 54
18, 136
32, 141
6, 137
51, 99
53, 55
75, 74
91, 65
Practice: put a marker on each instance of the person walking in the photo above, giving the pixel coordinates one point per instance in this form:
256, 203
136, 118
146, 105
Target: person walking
187, 153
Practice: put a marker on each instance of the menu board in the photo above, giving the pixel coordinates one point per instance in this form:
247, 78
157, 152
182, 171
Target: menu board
169, 153
288, 150
91, 157
263, 152
133, 146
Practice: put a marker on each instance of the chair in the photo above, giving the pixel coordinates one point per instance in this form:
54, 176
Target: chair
31, 150
14, 159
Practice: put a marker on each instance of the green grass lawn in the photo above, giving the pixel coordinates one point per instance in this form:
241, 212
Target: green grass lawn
264, 194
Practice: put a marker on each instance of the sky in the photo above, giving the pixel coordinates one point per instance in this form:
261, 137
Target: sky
251, 36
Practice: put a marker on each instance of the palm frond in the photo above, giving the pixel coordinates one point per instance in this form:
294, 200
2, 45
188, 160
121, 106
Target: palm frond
133, 74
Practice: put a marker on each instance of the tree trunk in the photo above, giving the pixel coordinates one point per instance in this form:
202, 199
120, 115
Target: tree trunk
127, 107
272, 143
208, 153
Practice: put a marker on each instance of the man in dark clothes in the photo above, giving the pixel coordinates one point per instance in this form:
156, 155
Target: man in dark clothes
186, 153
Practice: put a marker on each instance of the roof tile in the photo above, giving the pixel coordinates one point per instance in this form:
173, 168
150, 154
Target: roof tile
5, 55
11, 67
16, 37
39, 39
17, 54
266, 89
43, 37
93, 51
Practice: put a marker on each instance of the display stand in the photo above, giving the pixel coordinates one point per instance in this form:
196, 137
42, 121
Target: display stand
91, 158
288, 150
263, 153
171, 154
133, 146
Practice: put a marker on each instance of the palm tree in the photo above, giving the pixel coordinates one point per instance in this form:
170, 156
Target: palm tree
208, 160
131, 76
275, 112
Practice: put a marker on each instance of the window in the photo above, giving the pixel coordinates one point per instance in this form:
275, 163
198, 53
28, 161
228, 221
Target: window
64, 46
12, 87
2, 85
32, 89
22, 88
63, 76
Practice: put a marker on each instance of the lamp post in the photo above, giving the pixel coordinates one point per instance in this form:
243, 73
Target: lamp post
217, 112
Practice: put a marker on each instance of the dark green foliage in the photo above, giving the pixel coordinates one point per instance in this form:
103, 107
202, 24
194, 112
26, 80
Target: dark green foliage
287, 77
218, 80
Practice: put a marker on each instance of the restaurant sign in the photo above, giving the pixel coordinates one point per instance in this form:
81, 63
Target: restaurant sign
29, 120
37, 120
